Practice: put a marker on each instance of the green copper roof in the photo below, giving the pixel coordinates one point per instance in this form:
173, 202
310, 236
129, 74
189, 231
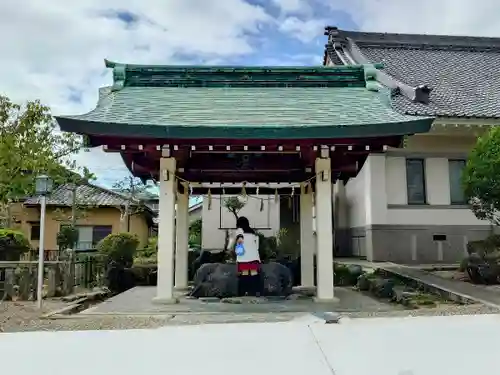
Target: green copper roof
128, 75
225, 102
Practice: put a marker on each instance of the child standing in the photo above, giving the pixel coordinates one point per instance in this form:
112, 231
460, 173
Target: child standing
246, 247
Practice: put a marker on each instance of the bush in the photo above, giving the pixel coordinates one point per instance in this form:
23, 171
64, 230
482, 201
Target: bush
119, 248
482, 247
149, 254
12, 244
67, 237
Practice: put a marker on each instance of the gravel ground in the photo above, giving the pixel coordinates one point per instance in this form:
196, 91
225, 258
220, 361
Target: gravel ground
19, 317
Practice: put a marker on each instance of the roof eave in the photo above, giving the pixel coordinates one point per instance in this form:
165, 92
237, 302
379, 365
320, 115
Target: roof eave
223, 131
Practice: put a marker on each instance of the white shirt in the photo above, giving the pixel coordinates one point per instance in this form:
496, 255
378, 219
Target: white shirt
251, 245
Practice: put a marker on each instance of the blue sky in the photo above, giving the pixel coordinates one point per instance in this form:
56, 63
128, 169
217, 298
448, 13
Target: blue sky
55, 50
294, 38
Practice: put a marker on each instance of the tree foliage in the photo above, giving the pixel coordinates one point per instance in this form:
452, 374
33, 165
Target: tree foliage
119, 247
133, 190
12, 244
30, 145
481, 177
234, 205
195, 233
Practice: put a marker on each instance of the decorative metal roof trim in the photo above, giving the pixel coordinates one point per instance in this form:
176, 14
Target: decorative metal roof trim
346, 49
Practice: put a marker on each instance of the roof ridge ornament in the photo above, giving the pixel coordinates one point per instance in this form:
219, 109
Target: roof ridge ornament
370, 72
133, 75
418, 93
119, 77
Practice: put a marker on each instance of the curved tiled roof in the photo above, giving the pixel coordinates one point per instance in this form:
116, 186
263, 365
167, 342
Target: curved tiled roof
461, 71
87, 194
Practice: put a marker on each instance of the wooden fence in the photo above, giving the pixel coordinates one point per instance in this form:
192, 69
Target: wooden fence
18, 280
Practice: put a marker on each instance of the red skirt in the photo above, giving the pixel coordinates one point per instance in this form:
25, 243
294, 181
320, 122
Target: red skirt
248, 266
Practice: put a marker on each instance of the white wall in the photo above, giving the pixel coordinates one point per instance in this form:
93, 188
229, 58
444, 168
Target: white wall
366, 194
218, 219
355, 200
438, 196
378, 195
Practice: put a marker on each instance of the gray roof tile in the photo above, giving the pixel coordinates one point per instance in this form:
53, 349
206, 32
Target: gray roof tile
87, 194
462, 71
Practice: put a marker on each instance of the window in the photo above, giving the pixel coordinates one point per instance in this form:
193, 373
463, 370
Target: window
415, 181
35, 231
99, 232
456, 168
89, 236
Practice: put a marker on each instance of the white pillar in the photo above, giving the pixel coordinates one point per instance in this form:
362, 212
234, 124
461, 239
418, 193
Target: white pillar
306, 240
324, 231
166, 232
181, 245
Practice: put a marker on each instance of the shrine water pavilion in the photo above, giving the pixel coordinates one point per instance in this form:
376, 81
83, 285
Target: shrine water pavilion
270, 130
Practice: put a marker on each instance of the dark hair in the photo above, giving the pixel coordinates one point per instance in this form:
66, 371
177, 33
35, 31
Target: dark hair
244, 224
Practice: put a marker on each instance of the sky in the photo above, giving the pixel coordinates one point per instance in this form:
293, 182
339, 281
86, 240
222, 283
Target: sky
54, 50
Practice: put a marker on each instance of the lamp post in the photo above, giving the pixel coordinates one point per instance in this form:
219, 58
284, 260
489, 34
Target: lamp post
43, 187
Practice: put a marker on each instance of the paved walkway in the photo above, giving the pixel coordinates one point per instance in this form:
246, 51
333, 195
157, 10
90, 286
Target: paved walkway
139, 301
470, 291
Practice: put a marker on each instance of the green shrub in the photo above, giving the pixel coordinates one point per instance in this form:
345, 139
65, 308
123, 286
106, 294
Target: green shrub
13, 244
482, 247
119, 247
151, 249
67, 237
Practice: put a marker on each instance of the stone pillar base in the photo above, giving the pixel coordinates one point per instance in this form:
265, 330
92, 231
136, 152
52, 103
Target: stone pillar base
165, 301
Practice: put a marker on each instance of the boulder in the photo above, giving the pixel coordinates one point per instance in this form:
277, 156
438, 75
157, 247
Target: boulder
277, 280
363, 283
295, 268
483, 269
205, 257
382, 288
221, 280
119, 278
193, 254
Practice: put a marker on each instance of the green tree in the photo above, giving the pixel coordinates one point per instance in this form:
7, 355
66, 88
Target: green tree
133, 190
195, 233
234, 205
481, 177
30, 144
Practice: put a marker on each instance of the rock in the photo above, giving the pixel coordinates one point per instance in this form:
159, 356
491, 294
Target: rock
481, 270
298, 297
276, 280
403, 296
232, 300
382, 288
209, 299
221, 280
119, 278
332, 317
363, 283
295, 268
205, 257
193, 254
304, 290
355, 271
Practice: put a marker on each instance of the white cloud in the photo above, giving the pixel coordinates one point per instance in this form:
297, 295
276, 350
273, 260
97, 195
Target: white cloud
293, 6
448, 17
304, 30
52, 50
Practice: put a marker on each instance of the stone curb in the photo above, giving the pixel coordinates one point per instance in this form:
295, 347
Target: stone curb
452, 295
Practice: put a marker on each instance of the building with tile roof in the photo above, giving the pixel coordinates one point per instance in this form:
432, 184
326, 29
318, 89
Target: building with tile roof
99, 212
214, 130
407, 205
